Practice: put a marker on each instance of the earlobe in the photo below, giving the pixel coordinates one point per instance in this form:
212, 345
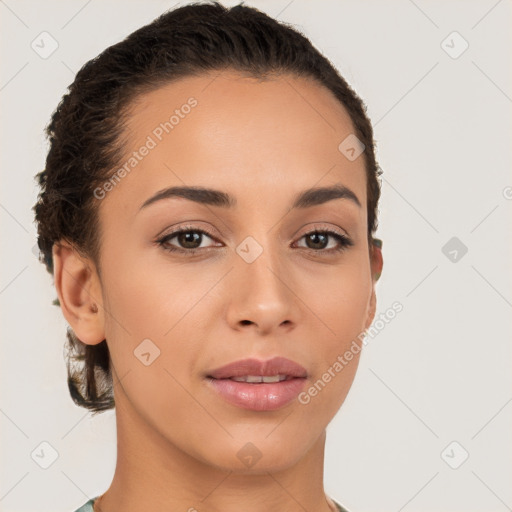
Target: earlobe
79, 292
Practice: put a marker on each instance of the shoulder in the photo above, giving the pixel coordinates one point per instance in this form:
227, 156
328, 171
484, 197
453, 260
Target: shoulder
340, 507
87, 507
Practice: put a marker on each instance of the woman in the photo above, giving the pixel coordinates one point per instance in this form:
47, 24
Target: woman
207, 211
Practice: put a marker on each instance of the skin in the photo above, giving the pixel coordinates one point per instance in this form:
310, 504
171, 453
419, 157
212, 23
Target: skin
262, 142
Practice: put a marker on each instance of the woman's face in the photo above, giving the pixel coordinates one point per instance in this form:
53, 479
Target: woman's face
259, 284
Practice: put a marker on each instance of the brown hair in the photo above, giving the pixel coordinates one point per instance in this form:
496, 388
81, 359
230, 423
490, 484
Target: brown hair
86, 131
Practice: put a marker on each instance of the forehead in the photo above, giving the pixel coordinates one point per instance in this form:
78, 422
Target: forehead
226, 130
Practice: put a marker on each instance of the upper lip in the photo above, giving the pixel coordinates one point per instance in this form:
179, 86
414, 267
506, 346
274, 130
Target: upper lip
268, 368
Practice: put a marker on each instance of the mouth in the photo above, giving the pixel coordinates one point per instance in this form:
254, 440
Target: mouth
258, 379
258, 385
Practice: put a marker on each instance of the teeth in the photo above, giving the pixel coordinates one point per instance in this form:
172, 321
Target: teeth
258, 378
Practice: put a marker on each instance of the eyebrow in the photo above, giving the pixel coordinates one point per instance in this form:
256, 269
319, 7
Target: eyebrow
305, 199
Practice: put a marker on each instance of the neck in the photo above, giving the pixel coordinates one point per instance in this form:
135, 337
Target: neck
153, 474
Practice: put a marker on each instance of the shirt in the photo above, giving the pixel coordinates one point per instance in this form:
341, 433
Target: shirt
87, 507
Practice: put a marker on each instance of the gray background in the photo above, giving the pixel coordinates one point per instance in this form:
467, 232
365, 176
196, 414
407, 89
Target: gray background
439, 372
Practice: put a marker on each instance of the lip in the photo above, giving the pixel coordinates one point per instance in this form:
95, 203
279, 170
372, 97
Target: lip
268, 368
259, 396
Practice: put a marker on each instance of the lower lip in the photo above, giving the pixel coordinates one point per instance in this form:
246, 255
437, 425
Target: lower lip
261, 396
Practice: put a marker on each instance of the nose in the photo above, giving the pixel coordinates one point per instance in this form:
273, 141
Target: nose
262, 297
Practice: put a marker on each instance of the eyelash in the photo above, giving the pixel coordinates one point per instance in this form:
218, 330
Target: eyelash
343, 240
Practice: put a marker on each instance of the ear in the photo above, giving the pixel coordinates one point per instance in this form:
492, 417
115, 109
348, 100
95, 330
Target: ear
376, 263
79, 290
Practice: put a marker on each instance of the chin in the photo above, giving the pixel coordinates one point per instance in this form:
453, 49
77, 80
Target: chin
260, 455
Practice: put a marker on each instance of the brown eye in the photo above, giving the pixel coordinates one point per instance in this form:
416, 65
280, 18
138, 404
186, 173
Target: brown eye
318, 241
187, 240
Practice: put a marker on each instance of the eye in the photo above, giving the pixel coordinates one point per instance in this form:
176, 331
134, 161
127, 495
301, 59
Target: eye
318, 241
190, 240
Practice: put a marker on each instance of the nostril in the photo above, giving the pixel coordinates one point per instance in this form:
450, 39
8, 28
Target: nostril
246, 322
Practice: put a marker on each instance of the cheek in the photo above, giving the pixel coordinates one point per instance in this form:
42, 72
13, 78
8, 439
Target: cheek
343, 306
178, 310
343, 309
154, 314
151, 300
342, 300
169, 303
152, 338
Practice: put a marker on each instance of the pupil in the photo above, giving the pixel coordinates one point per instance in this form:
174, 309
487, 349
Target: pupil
190, 237
315, 236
